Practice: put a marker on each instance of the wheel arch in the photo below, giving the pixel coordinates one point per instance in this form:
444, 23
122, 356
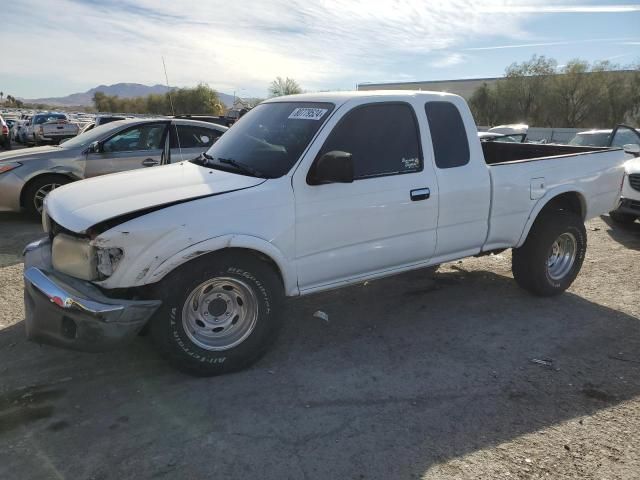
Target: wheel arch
249, 245
40, 175
558, 200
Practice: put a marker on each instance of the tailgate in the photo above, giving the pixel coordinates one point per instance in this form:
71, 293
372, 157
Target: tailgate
59, 127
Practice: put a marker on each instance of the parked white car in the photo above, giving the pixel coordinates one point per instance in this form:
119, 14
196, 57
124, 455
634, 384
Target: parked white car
305, 193
629, 209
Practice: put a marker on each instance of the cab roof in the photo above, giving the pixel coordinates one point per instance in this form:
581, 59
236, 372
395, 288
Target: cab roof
338, 98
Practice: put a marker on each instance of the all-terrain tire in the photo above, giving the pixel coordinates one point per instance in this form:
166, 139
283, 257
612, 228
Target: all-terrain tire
242, 270
531, 262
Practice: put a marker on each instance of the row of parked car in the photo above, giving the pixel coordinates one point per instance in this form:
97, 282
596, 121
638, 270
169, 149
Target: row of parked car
28, 175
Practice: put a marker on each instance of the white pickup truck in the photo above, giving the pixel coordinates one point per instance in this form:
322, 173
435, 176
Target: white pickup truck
305, 193
50, 128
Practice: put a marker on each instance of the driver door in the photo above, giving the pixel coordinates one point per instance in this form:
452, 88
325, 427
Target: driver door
134, 147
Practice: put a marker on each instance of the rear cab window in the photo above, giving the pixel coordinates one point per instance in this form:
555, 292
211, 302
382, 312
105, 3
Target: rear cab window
383, 139
448, 134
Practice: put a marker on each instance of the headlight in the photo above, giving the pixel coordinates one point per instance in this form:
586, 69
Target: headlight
73, 256
7, 167
78, 258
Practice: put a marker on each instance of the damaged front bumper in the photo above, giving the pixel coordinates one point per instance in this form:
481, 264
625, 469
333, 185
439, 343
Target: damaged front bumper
66, 312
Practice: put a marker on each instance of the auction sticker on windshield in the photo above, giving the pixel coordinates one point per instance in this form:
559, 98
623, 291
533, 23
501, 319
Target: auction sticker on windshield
308, 113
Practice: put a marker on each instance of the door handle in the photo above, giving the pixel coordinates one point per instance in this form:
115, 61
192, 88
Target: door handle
420, 194
150, 162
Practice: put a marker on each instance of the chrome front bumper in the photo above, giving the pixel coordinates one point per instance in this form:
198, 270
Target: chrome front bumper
71, 313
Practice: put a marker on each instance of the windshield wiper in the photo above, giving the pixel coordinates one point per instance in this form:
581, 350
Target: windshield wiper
243, 167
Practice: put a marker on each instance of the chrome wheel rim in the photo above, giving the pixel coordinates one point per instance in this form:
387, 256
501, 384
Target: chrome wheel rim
562, 256
220, 313
43, 191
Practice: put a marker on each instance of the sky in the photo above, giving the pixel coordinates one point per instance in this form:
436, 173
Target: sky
67, 46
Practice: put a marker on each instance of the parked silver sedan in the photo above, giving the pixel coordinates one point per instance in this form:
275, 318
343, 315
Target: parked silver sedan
27, 176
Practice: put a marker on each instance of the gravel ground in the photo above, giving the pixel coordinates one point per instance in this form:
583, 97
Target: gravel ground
424, 375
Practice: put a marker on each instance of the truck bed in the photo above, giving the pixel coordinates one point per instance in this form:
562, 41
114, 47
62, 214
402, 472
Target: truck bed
502, 152
525, 176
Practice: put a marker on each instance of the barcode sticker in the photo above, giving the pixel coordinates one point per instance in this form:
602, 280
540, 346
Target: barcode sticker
308, 113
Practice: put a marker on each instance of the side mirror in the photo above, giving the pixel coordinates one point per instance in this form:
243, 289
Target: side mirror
632, 148
332, 167
94, 147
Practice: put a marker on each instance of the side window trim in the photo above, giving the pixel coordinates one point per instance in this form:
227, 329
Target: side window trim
378, 175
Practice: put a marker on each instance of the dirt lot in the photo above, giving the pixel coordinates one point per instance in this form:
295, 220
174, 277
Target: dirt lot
424, 375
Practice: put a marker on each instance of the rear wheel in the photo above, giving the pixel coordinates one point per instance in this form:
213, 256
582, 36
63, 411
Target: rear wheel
38, 189
219, 314
622, 218
551, 257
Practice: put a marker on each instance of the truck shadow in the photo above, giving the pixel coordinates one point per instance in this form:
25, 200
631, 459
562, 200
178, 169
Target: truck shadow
407, 372
627, 235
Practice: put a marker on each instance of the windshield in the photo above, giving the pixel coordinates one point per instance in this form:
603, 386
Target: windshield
590, 139
84, 139
271, 137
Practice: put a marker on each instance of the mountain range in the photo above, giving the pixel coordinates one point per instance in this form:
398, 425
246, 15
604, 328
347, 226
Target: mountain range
123, 90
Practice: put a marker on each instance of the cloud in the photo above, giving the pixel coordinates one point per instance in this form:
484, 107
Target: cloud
557, 43
448, 60
231, 45
560, 8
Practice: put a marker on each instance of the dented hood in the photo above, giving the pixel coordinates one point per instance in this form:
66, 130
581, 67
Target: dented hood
80, 205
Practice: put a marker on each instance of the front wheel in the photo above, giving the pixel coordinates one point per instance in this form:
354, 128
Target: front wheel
550, 259
219, 313
38, 189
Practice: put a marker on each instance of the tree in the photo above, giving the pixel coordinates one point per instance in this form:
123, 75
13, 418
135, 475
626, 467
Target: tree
574, 94
199, 100
287, 86
578, 95
523, 91
484, 105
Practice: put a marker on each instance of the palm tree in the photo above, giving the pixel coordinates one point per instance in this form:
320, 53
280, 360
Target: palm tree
287, 86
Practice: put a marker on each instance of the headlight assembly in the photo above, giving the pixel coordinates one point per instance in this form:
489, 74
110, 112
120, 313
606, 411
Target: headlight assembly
73, 256
78, 258
108, 259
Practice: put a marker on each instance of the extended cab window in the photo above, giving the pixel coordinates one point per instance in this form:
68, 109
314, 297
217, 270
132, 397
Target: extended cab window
382, 138
449, 137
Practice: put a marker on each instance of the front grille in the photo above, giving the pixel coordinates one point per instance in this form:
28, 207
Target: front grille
634, 181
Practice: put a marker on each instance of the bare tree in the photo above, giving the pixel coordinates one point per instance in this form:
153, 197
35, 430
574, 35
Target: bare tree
286, 86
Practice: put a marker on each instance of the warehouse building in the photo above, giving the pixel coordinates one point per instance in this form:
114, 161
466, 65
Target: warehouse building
463, 87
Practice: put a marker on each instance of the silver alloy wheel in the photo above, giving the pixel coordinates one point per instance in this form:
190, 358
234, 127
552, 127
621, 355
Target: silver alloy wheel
220, 313
562, 256
43, 191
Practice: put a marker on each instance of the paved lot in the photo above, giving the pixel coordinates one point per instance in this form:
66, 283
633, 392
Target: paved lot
424, 375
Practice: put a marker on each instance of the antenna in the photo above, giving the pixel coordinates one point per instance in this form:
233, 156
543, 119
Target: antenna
173, 111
